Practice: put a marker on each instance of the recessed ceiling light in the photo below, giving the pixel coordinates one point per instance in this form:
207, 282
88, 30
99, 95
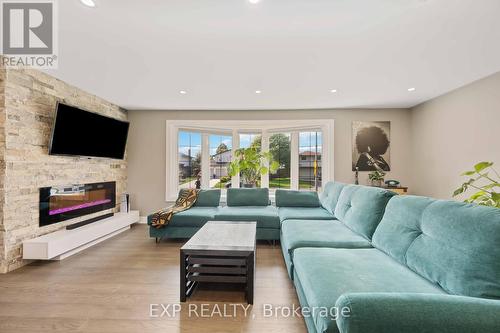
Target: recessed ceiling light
258, 91
88, 3
411, 89
254, 1
333, 90
183, 92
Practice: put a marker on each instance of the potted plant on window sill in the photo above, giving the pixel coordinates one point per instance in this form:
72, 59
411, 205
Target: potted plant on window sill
376, 177
251, 163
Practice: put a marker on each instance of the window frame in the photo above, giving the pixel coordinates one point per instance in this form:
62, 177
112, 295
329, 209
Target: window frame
236, 127
289, 135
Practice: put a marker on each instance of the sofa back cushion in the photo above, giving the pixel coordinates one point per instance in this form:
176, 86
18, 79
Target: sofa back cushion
330, 195
208, 198
288, 198
361, 208
453, 244
248, 197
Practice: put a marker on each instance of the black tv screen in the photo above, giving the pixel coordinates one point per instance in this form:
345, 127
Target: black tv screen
82, 133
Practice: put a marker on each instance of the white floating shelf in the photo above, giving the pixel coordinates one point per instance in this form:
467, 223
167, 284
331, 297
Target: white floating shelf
63, 243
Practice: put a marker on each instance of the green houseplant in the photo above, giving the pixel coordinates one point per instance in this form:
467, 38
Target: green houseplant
251, 164
376, 177
485, 181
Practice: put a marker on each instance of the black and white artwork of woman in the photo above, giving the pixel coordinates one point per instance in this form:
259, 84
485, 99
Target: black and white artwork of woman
371, 145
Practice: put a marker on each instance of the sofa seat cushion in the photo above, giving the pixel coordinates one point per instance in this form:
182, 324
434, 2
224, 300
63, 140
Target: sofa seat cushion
325, 274
320, 233
193, 217
266, 216
333, 234
304, 213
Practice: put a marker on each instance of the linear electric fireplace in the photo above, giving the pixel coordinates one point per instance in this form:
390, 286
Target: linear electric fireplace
62, 203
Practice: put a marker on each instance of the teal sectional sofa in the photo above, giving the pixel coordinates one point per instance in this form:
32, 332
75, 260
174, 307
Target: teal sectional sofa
300, 205
357, 211
242, 205
185, 224
252, 205
411, 264
393, 264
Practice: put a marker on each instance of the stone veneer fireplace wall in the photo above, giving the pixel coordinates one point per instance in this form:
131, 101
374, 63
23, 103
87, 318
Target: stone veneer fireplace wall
27, 109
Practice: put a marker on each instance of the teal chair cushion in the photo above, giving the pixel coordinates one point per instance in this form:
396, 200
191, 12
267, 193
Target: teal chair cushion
333, 234
330, 195
288, 198
304, 213
453, 244
361, 208
266, 217
193, 217
248, 197
208, 198
317, 233
325, 274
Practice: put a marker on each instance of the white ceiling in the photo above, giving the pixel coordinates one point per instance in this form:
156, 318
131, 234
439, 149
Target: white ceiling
140, 54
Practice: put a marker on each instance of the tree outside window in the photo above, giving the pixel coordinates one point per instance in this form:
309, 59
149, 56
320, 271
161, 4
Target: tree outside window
279, 147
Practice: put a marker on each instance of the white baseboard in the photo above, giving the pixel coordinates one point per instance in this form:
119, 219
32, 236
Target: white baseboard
143, 220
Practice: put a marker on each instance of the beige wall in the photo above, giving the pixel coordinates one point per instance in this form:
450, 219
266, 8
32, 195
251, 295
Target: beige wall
146, 145
453, 132
26, 122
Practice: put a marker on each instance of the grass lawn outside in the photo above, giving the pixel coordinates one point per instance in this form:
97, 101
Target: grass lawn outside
220, 185
186, 180
285, 183
278, 183
307, 186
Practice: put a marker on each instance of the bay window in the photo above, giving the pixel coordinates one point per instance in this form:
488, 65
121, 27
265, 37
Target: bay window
199, 152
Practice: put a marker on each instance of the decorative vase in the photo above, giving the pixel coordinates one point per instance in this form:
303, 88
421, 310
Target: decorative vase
377, 182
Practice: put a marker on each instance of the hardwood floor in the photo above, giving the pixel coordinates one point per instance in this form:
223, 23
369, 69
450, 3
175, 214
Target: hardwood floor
111, 286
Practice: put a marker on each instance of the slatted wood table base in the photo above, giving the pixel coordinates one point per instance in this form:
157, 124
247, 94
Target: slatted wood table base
216, 266
222, 252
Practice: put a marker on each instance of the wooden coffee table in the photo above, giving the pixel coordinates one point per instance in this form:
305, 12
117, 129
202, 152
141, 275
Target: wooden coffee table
222, 252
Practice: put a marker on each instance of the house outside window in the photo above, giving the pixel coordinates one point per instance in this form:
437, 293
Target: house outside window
189, 148
220, 157
310, 165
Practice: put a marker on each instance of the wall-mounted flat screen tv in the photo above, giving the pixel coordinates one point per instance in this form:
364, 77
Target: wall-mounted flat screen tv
81, 133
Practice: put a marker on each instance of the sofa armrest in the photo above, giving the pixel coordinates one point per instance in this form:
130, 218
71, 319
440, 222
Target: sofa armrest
422, 313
